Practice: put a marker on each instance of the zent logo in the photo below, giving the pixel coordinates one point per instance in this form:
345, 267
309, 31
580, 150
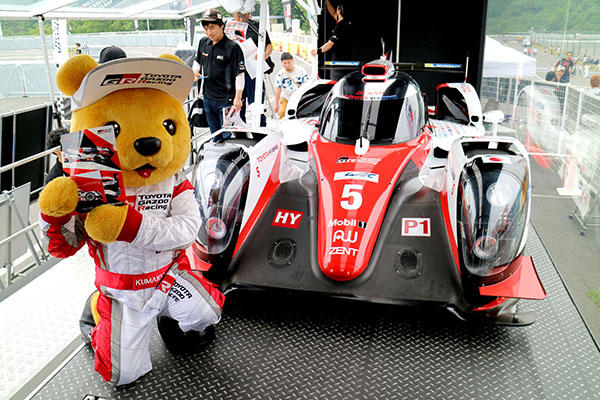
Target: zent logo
344, 251
416, 227
287, 219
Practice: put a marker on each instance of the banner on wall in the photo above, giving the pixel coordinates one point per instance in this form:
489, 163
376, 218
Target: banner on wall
60, 40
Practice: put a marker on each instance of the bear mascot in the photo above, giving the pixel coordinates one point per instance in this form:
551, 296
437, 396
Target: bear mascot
142, 272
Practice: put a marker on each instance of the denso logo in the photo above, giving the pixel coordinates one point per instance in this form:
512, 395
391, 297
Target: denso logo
347, 222
358, 175
344, 251
346, 237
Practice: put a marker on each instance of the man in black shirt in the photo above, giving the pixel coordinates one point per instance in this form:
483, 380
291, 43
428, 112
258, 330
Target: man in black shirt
221, 66
250, 84
339, 42
568, 65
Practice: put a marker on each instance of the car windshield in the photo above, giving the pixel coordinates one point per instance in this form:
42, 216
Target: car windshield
383, 119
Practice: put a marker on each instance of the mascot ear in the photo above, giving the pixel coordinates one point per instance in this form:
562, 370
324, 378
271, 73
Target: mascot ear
171, 57
70, 75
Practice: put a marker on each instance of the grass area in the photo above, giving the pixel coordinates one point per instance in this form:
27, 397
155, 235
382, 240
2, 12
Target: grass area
594, 295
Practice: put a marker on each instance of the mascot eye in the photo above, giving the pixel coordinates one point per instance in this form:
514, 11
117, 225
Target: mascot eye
116, 127
169, 126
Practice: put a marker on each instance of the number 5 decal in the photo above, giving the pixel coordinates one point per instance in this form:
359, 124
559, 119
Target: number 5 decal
351, 192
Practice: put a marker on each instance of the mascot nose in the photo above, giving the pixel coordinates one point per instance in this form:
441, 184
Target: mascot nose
147, 146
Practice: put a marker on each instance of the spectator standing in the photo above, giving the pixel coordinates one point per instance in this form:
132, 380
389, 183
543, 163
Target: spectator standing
250, 84
53, 141
288, 79
558, 75
595, 85
339, 42
568, 64
77, 49
222, 64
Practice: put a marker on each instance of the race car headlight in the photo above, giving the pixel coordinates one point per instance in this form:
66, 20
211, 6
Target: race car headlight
220, 178
215, 227
485, 247
493, 214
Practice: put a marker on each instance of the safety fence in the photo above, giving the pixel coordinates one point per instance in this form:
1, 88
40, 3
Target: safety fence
558, 123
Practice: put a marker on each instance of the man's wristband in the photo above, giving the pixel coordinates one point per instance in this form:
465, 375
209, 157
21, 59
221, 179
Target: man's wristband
319, 50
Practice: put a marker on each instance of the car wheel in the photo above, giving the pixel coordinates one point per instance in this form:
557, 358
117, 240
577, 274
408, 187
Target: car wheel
90, 196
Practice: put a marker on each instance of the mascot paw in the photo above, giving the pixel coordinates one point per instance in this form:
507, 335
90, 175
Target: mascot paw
104, 223
59, 197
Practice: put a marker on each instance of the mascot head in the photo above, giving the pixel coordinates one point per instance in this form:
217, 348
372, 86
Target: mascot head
142, 98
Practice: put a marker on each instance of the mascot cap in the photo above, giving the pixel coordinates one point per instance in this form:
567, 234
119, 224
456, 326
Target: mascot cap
172, 77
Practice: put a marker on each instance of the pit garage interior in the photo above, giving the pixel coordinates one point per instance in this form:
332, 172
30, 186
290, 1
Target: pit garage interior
289, 345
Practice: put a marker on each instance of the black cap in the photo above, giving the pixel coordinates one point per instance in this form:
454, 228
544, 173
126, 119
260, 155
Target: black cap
212, 16
111, 53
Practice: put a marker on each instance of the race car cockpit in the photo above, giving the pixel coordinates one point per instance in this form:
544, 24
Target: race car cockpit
378, 103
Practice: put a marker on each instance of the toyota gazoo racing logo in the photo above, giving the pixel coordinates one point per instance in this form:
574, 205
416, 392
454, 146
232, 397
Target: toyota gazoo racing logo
347, 223
153, 201
358, 175
147, 78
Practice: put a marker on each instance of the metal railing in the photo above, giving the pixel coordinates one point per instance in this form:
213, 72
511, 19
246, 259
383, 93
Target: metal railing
559, 124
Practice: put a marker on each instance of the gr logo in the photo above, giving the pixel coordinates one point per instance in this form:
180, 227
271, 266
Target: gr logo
93, 397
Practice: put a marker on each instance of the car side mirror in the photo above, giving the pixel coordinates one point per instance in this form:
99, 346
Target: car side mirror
494, 117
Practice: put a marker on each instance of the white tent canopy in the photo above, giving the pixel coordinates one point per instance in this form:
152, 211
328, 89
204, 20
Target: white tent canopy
505, 62
103, 9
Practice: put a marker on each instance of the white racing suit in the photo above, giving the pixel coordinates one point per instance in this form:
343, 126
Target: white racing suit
143, 274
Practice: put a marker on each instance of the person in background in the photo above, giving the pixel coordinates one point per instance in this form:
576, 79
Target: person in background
77, 48
250, 84
222, 64
111, 53
595, 85
558, 75
288, 79
568, 65
339, 42
53, 141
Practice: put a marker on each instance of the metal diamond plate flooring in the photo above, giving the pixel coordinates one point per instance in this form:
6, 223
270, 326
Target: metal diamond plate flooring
40, 320
284, 347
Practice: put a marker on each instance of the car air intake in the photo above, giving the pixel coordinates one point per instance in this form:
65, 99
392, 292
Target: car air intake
282, 252
374, 70
408, 264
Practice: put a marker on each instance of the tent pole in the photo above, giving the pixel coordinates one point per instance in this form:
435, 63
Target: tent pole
257, 110
398, 31
55, 113
45, 50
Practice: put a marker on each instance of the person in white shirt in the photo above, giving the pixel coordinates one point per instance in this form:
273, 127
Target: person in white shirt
288, 79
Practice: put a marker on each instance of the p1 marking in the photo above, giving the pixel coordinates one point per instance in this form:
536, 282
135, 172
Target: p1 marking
416, 227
